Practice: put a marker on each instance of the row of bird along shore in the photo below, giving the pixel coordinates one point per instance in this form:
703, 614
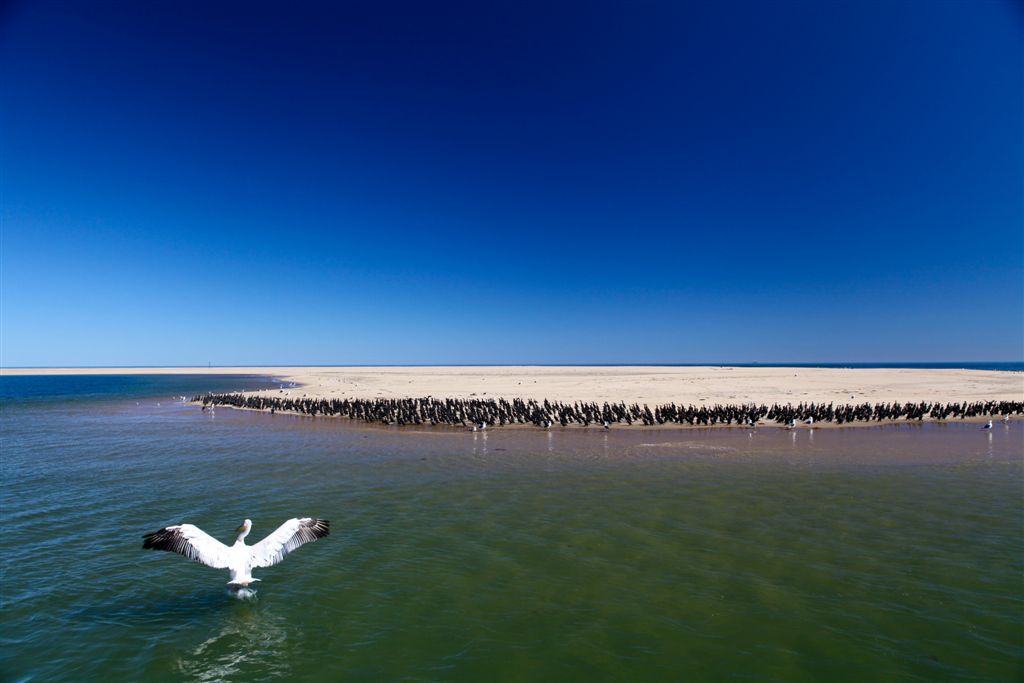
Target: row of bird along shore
624, 396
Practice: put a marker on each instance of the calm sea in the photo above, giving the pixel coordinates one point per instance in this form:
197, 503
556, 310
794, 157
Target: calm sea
866, 554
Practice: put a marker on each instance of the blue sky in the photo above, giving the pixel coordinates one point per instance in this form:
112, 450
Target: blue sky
511, 182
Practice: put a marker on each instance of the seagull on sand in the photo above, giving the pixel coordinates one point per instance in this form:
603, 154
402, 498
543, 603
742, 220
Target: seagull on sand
239, 559
988, 425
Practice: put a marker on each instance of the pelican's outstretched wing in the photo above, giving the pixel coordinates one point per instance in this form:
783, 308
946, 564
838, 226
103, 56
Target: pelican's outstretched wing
190, 541
288, 537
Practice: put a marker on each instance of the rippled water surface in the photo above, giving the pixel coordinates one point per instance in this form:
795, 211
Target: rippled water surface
858, 554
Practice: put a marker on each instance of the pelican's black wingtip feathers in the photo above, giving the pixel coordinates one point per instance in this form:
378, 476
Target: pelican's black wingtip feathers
318, 527
154, 539
167, 538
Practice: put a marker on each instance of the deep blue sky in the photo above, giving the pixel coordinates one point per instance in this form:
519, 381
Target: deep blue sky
513, 183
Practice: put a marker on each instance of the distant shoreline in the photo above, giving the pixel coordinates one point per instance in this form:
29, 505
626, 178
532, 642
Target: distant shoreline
651, 385
993, 366
733, 393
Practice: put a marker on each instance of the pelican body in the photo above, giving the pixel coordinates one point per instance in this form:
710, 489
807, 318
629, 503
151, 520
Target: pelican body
239, 559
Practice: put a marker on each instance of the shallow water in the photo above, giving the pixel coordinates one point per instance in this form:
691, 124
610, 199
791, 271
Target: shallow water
889, 553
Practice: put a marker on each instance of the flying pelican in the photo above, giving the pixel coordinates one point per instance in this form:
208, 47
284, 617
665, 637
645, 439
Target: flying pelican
239, 559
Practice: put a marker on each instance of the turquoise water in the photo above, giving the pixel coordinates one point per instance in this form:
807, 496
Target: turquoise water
872, 553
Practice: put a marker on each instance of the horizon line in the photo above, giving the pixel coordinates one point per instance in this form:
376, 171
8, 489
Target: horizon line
510, 365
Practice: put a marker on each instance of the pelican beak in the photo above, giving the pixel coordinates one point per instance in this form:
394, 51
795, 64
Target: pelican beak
240, 529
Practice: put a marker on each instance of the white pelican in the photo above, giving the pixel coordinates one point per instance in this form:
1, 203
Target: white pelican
239, 559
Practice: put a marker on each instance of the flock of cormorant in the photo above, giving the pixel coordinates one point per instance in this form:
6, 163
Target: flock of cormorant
480, 413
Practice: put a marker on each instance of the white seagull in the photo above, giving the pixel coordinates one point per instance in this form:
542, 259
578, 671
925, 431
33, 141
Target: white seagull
239, 559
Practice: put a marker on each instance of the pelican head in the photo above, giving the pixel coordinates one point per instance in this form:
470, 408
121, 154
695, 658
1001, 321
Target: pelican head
243, 530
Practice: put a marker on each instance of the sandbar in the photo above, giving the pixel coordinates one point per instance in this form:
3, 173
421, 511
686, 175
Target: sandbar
651, 385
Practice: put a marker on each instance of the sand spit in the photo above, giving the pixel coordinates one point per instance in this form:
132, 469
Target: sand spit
651, 385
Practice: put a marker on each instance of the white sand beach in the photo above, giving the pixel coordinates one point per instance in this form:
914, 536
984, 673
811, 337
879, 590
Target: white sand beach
642, 384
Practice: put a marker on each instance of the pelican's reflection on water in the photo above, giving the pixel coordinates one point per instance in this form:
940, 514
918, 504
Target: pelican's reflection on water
251, 643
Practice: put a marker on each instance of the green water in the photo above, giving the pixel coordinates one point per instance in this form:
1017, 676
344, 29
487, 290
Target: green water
890, 554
